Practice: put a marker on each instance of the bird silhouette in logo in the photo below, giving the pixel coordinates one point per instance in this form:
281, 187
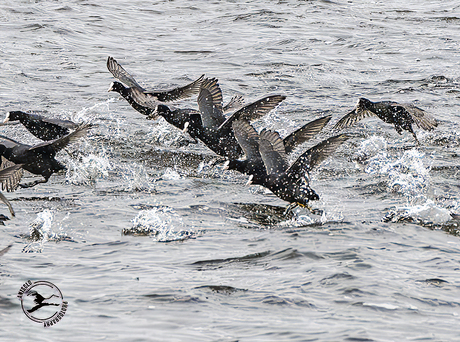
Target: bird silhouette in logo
41, 301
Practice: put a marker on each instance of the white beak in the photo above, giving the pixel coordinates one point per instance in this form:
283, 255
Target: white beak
186, 127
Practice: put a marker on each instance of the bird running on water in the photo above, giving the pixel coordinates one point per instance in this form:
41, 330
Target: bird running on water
288, 182
39, 159
247, 137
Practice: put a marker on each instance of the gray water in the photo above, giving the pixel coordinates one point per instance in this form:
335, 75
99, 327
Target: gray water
148, 242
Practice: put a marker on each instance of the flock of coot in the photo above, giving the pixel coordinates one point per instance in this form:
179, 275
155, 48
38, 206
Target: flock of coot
225, 129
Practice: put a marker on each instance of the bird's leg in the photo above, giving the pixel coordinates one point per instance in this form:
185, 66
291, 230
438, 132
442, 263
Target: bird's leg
313, 211
290, 207
70, 154
306, 206
416, 140
10, 207
216, 161
31, 184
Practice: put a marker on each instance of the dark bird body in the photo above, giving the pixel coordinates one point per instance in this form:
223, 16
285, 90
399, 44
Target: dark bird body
138, 97
211, 126
291, 182
288, 182
39, 159
247, 138
40, 126
402, 116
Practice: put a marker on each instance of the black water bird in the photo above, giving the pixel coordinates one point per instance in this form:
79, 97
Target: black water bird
288, 182
402, 116
291, 182
248, 139
211, 126
40, 126
138, 97
39, 159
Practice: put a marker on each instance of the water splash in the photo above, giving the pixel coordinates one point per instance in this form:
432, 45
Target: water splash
165, 134
428, 213
303, 219
406, 174
162, 223
87, 169
372, 147
171, 174
92, 112
40, 232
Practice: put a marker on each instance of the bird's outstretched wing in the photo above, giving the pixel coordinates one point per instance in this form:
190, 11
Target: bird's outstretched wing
271, 149
253, 111
235, 103
59, 144
316, 155
353, 117
121, 74
7, 142
210, 103
176, 94
10, 174
305, 133
421, 118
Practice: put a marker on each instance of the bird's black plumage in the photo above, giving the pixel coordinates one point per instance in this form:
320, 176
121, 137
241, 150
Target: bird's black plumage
39, 159
210, 125
402, 116
143, 100
40, 126
288, 182
248, 139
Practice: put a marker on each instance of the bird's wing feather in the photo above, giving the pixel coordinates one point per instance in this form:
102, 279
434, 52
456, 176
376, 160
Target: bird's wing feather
271, 149
351, 118
253, 111
421, 118
305, 133
248, 138
235, 103
10, 175
210, 103
121, 74
7, 142
317, 154
176, 93
59, 144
